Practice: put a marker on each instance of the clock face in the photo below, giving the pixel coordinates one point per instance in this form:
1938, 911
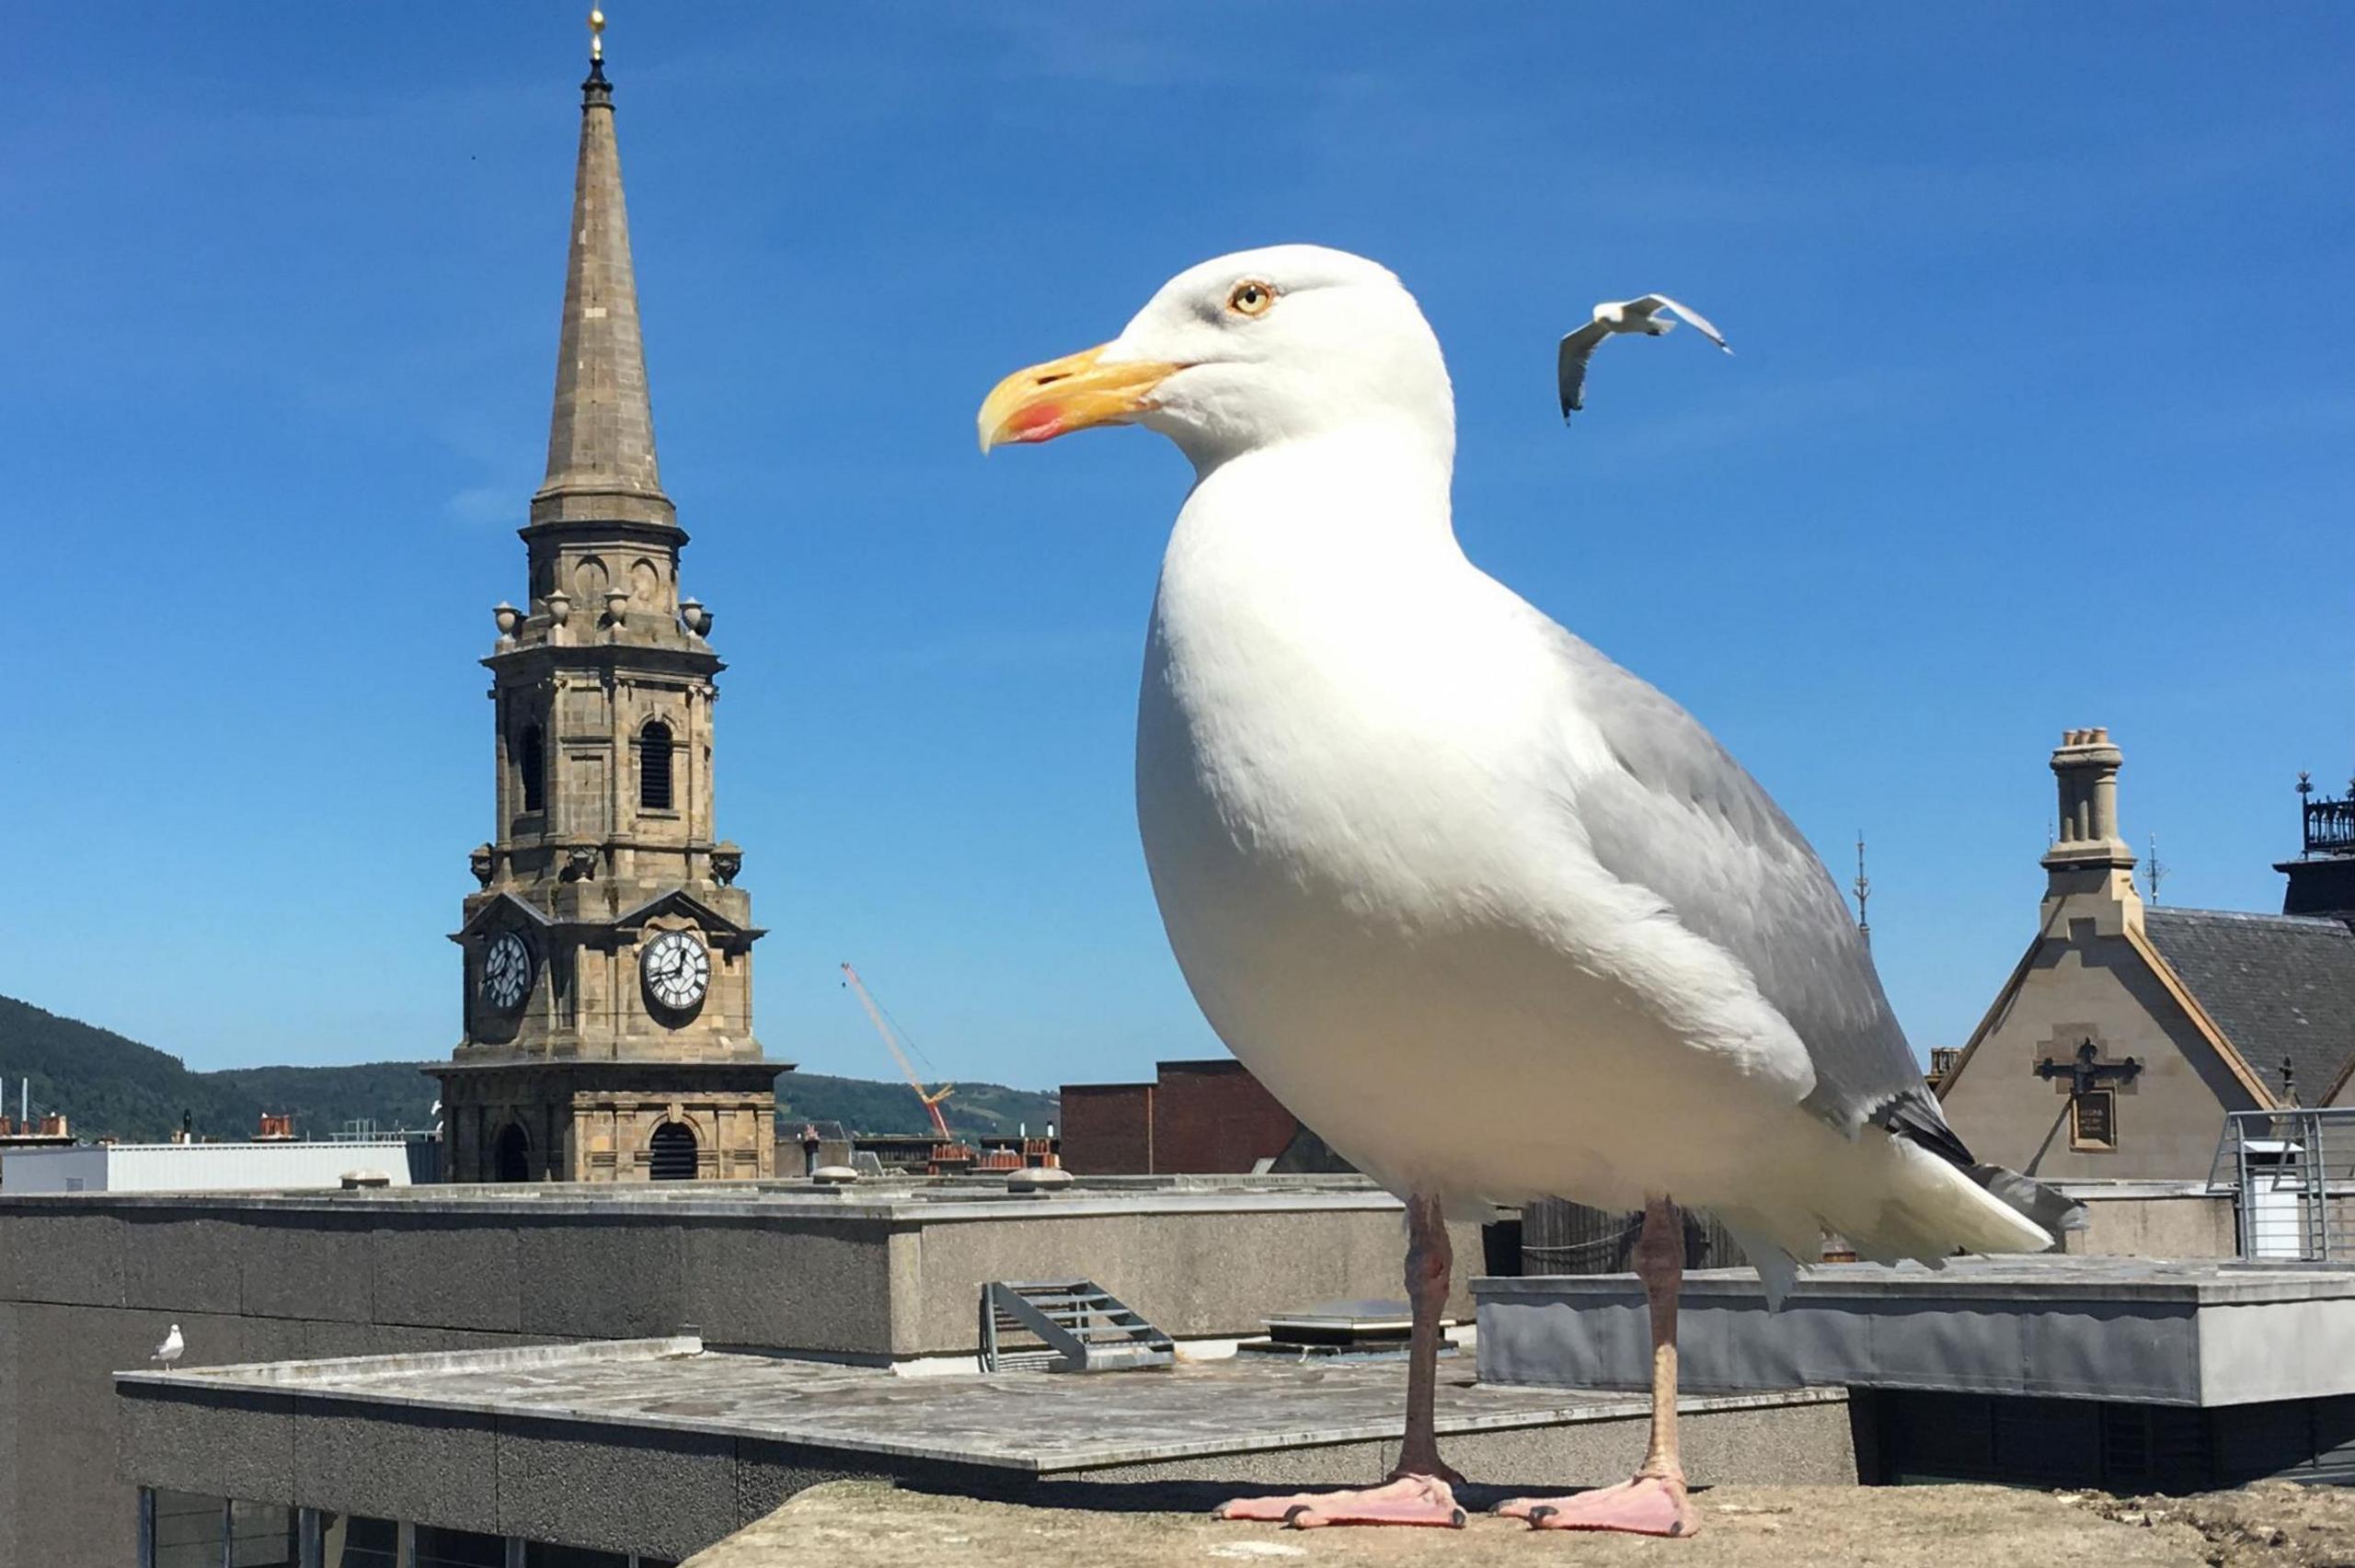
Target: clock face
506, 972
676, 970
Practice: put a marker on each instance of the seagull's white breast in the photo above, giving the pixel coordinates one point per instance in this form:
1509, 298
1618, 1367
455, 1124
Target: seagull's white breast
1354, 766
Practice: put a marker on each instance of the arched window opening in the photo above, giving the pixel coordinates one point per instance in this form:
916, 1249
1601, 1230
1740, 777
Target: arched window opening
671, 1153
511, 1157
654, 766
531, 761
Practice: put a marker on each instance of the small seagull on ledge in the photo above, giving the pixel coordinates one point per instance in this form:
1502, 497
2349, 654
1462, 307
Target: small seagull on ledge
172, 1349
1623, 316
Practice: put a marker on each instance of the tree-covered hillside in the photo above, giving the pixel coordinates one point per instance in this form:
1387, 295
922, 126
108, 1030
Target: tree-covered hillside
109, 1086
863, 1104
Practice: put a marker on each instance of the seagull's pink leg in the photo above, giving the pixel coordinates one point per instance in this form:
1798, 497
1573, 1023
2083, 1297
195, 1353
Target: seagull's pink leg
1419, 1491
1654, 1503
1431, 1263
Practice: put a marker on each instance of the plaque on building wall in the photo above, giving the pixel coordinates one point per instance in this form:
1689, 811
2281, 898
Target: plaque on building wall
2096, 1113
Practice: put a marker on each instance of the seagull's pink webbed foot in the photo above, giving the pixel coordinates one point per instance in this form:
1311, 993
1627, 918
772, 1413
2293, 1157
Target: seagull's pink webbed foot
1650, 1505
1405, 1500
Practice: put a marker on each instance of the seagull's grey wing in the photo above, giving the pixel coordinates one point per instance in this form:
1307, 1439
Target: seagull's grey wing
1700, 323
1679, 817
1570, 365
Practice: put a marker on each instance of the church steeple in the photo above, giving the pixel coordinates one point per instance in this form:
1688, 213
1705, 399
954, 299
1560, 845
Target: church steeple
608, 968
600, 435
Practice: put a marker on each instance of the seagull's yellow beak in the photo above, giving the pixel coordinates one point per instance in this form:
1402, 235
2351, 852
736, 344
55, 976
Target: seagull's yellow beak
1066, 394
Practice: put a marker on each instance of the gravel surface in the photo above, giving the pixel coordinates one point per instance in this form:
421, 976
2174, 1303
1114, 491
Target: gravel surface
868, 1525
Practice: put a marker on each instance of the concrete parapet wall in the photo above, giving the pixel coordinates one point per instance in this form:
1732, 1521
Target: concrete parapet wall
2171, 1334
2145, 1220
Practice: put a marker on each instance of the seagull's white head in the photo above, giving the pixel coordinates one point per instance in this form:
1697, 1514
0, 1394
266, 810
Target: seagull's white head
1244, 352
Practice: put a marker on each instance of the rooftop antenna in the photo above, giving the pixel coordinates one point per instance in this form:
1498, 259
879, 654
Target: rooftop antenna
1864, 891
2155, 870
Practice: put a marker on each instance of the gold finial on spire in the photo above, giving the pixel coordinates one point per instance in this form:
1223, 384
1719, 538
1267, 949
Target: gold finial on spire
596, 34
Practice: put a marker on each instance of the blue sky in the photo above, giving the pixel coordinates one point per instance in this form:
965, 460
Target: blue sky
2040, 418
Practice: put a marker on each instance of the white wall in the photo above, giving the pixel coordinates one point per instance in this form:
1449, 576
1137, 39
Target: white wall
199, 1167
53, 1170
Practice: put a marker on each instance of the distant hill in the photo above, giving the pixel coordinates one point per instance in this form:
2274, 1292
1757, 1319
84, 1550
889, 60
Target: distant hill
865, 1105
111, 1086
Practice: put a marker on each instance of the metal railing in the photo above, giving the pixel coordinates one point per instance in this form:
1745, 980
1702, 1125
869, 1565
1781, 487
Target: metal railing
2291, 1175
2330, 826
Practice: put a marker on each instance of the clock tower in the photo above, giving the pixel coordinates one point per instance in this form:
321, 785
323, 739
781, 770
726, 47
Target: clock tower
608, 953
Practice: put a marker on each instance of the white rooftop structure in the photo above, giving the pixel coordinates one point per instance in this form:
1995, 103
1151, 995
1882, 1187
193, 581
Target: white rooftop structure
270, 1166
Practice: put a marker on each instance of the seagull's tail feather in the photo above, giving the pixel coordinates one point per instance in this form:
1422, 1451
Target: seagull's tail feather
1890, 1199
2048, 1207
1927, 1208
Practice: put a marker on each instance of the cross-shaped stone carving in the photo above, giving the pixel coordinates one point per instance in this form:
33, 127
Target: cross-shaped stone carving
2086, 1073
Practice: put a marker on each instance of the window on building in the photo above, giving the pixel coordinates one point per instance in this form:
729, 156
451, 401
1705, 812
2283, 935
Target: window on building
531, 761
188, 1528
654, 766
2093, 1119
354, 1541
439, 1548
671, 1153
261, 1535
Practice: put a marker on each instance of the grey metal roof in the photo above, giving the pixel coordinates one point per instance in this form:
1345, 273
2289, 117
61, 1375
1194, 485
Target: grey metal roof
2278, 986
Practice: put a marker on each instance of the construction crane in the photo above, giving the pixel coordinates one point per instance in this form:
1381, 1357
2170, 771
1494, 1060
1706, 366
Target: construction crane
907, 1068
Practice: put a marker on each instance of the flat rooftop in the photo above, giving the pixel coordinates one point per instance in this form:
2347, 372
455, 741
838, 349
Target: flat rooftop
1034, 1424
885, 1198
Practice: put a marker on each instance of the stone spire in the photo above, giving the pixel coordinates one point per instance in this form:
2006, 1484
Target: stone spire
600, 438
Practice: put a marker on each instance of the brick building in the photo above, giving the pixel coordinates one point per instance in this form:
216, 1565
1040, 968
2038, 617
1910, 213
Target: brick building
1195, 1118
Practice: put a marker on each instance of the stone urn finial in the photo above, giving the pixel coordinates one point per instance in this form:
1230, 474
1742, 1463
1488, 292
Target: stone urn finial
481, 862
727, 860
509, 618
695, 617
560, 605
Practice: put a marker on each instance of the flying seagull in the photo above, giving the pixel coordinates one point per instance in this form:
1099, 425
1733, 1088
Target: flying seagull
172, 1349
1492, 915
1624, 315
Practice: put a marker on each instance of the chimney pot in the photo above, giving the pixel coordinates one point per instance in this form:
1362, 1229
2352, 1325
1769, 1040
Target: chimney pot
2084, 770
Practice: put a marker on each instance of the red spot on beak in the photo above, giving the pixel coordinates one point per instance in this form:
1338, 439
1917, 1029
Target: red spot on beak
1041, 421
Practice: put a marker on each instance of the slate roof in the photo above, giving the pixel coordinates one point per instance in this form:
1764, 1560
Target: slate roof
2278, 986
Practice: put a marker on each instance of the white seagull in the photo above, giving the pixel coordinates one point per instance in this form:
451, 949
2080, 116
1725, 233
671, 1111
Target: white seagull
1613, 316
172, 1349
1492, 915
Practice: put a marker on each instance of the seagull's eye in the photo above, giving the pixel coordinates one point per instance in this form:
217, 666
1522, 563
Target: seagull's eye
1251, 298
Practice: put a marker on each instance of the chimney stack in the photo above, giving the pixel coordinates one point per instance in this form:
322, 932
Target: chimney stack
2090, 856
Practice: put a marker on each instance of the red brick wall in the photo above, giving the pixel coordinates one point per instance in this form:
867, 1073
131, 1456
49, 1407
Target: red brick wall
1213, 1118
1108, 1129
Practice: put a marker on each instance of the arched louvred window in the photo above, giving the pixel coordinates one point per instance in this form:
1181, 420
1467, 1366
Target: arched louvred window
511, 1157
671, 1153
654, 766
531, 761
